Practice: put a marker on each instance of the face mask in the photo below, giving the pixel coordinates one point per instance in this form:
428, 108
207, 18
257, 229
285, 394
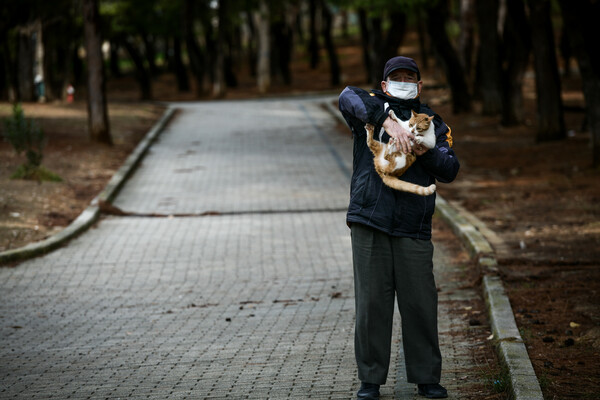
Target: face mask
402, 90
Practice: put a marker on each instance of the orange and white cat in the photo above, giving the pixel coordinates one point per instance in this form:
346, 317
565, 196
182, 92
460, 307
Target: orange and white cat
390, 162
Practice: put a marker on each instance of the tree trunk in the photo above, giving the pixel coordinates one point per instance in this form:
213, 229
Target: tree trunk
313, 44
25, 55
394, 37
581, 20
488, 63
219, 88
115, 68
194, 51
97, 109
263, 73
375, 48
423, 48
550, 120
516, 58
142, 74
281, 54
437, 16
183, 82
328, 39
365, 41
466, 36
150, 53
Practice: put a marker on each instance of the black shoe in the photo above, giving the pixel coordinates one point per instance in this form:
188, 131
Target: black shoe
368, 391
432, 391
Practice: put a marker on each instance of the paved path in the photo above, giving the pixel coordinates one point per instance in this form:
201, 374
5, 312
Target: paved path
253, 303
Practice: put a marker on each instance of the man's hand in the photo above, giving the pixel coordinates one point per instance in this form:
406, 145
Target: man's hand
419, 149
403, 137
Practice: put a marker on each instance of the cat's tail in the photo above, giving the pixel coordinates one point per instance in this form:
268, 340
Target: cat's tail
404, 186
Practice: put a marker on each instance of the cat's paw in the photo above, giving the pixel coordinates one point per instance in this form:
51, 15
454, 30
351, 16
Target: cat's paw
429, 190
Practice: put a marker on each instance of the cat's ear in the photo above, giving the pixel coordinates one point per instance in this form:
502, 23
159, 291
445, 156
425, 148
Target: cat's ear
430, 118
414, 113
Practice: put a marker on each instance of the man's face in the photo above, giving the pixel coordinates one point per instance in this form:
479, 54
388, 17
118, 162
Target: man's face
402, 75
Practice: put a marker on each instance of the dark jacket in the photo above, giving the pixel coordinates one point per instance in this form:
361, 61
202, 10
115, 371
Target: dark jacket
371, 202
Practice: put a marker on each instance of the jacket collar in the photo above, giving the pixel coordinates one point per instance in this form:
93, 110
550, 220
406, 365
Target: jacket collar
402, 106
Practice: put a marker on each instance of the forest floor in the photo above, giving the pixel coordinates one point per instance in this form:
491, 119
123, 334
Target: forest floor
541, 201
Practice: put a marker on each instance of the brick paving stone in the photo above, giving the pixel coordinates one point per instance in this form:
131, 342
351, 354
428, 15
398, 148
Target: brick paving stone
256, 303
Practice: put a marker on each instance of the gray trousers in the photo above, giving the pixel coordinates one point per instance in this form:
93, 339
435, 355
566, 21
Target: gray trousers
386, 267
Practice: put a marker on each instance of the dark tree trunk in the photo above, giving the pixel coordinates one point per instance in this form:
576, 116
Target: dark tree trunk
10, 70
142, 74
424, 64
194, 51
25, 53
183, 82
550, 119
489, 67
252, 43
394, 37
375, 48
313, 44
115, 68
219, 88
437, 16
281, 35
466, 37
365, 37
581, 19
97, 109
150, 53
516, 58
328, 39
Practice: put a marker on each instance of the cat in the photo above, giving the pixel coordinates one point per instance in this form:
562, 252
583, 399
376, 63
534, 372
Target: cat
390, 162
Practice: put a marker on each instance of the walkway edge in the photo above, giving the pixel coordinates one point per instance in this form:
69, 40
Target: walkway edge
511, 349
510, 346
91, 214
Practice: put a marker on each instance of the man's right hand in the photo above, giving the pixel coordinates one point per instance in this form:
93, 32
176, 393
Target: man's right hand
403, 137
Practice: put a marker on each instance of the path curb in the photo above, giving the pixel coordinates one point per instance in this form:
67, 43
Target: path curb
91, 214
510, 347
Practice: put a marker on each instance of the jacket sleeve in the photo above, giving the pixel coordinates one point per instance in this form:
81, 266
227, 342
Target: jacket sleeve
441, 162
358, 103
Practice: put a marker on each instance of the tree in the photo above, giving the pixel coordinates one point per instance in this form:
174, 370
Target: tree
436, 26
488, 62
97, 109
263, 73
516, 48
550, 121
581, 19
328, 39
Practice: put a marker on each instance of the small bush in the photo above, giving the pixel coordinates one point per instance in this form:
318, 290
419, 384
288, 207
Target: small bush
27, 137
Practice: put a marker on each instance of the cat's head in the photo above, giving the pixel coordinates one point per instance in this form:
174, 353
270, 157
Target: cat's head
419, 122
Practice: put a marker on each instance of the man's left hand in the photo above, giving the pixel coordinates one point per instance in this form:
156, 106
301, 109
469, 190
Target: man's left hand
419, 149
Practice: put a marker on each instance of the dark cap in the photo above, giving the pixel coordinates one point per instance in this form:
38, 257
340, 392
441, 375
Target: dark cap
400, 62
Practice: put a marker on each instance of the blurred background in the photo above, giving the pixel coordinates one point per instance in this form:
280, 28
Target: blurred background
518, 82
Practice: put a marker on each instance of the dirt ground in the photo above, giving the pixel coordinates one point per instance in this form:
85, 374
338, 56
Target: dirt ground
540, 201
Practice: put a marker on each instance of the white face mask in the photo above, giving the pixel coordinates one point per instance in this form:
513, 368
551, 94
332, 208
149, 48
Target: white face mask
403, 90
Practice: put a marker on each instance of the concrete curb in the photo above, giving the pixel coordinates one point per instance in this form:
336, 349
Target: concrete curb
91, 214
511, 349
510, 346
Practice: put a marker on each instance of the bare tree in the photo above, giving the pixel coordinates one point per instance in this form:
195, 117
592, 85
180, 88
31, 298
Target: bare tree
261, 21
97, 109
551, 124
581, 20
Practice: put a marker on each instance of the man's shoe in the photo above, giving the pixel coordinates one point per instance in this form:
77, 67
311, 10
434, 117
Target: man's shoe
368, 391
432, 391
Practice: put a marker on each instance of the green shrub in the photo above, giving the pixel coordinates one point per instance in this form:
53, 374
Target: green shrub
27, 137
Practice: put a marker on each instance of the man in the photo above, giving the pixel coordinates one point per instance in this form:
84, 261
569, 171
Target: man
391, 234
